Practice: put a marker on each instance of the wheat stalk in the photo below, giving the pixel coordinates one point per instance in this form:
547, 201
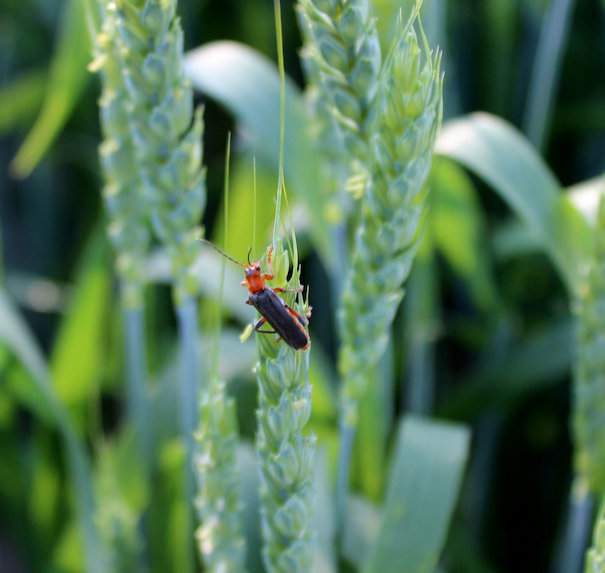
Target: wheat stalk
219, 537
285, 453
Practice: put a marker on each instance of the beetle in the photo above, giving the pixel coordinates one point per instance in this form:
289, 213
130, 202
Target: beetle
288, 324
285, 321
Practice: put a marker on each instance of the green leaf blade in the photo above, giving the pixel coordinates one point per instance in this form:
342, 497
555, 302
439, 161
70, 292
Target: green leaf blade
67, 80
424, 483
498, 154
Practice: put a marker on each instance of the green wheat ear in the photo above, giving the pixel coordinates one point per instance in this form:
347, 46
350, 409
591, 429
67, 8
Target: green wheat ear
406, 116
589, 387
219, 537
124, 200
341, 56
285, 453
167, 141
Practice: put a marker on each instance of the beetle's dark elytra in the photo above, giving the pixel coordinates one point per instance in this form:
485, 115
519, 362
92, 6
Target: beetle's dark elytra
287, 324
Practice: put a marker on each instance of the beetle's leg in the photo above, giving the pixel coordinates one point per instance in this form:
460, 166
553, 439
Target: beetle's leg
282, 289
268, 276
258, 325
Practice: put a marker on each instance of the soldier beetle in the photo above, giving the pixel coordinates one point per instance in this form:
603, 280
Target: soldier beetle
288, 324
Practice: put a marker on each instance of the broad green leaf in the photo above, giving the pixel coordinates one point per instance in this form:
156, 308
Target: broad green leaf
68, 76
247, 84
79, 354
360, 530
457, 229
424, 483
514, 238
20, 100
498, 154
15, 334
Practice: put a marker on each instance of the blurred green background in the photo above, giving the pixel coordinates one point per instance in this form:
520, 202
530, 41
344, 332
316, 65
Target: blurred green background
486, 312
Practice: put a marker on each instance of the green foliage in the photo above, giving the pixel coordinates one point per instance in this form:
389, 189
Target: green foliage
15, 334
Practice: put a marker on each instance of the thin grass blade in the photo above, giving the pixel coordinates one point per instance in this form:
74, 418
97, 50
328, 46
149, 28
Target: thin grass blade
68, 77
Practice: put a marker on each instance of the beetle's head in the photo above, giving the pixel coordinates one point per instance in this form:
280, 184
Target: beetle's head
254, 277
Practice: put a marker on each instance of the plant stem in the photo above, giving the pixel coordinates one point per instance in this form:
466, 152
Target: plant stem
189, 377
345, 454
136, 368
188, 400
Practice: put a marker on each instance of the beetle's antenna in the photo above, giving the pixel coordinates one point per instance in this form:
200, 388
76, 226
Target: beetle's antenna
249, 253
254, 199
221, 252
